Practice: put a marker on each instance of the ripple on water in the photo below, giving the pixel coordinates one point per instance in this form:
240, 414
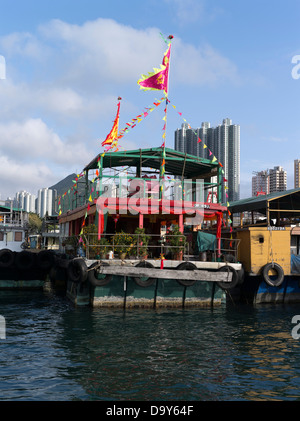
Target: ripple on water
55, 351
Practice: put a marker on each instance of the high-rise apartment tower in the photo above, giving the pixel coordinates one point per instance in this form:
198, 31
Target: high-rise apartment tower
222, 141
297, 173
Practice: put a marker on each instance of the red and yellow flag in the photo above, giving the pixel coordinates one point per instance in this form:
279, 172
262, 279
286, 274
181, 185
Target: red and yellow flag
113, 134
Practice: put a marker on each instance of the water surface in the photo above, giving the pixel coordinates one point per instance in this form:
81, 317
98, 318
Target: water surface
54, 351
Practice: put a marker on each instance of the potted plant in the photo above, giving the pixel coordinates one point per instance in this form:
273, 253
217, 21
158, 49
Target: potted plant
103, 247
122, 243
95, 248
176, 240
141, 241
71, 244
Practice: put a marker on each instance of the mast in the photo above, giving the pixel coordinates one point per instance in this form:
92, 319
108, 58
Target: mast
166, 62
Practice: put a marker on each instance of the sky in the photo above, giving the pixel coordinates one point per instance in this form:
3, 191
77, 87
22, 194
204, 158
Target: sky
64, 63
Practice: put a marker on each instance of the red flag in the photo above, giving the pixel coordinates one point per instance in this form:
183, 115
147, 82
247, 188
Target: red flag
113, 134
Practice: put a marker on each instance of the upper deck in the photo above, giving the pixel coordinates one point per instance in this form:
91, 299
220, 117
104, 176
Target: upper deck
138, 173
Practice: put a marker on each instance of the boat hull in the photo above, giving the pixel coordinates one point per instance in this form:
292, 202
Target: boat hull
12, 278
125, 293
254, 289
25, 270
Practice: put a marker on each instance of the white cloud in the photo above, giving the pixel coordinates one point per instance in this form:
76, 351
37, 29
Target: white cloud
102, 54
32, 139
24, 44
103, 51
202, 65
15, 175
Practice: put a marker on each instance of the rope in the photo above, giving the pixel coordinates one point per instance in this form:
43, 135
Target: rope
271, 252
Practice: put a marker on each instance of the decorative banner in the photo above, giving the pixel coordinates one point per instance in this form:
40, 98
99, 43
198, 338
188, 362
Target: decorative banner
139, 118
158, 80
113, 134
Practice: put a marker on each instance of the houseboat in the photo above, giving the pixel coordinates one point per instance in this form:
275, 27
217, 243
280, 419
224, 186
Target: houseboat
20, 268
12, 228
268, 228
139, 236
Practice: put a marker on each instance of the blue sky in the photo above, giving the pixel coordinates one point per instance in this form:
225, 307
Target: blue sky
68, 61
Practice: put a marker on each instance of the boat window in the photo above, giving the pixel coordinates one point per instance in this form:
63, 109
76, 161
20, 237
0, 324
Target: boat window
18, 236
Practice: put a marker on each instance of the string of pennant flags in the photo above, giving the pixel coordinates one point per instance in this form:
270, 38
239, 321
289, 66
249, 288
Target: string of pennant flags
114, 146
213, 159
130, 125
156, 80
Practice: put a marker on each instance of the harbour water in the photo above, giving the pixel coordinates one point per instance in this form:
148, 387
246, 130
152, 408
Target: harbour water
54, 351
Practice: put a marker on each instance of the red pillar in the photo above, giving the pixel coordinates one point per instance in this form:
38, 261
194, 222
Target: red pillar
141, 220
180, 223
100, 228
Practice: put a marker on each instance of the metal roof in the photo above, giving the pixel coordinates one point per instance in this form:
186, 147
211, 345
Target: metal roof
288, 200
177, 163
7, 208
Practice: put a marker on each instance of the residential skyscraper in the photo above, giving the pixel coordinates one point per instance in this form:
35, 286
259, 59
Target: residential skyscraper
25, 201
45, 202
222, 141
277, 179
297, 173
269, 181
186, 140
260, 183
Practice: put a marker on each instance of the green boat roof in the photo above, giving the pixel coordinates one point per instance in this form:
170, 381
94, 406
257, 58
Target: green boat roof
177, 163
285, 200
8, 208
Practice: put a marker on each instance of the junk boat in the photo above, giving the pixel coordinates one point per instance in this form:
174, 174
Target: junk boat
149, 208
136, 239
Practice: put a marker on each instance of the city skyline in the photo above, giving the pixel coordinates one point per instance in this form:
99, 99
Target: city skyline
45, 202
269, 181
260, 183
66, 65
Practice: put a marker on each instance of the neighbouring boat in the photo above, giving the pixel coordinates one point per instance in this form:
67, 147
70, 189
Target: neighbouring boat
12, 228
20, 267
268, 228
164, 234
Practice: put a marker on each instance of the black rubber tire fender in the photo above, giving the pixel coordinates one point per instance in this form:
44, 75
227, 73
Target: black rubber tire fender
77, 270
186, 266
45, 259
280, 274
144, 282
6, 258
25, 260
92, 275
235, 278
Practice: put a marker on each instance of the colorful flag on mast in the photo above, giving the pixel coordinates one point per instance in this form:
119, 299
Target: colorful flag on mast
113, 134
157, 80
